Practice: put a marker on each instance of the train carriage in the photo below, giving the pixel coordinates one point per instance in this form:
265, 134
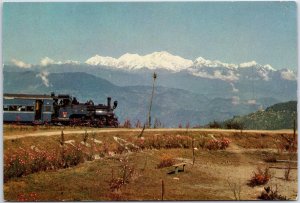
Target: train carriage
27, 108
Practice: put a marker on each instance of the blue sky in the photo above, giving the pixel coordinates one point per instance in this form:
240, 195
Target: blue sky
230, 32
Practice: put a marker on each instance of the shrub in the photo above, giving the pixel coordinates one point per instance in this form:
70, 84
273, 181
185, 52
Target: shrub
30, 197
202, 141
215, 144
214, 124
138, 124
224, 143
125, 174
166, 161
236, 189
163, 141
14, 167
157, 123
260, 177
73, 156
127, 170
288, 143
270, 194
234, 125
24, 162
116, 184
127, 123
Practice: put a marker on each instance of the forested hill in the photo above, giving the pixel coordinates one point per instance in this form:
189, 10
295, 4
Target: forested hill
278, 116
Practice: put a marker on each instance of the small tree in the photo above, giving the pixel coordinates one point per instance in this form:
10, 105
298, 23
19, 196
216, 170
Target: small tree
127, 123
236, 189
157, 123
85, 137
138, 124
231, 124
214, 124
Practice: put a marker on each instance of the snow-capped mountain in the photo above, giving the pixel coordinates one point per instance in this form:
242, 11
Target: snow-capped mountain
200, 67
102, 61
232, 72
202, 62
155, 60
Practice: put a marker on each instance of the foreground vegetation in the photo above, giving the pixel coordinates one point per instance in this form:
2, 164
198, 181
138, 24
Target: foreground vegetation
124, 166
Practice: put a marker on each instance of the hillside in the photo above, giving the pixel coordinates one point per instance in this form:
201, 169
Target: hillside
278, 116
170, 105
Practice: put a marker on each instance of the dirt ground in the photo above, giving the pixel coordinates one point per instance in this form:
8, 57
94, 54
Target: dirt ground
215, 175
14, 132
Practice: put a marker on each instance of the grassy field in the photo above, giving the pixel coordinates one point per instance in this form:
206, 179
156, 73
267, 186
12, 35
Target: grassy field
120, 166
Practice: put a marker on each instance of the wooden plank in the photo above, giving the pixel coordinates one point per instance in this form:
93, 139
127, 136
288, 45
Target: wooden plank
180, 164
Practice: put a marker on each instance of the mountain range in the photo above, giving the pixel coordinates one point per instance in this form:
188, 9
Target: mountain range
196, 91
204, 68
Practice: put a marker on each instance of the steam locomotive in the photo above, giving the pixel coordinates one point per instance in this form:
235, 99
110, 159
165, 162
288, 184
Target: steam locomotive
57, 110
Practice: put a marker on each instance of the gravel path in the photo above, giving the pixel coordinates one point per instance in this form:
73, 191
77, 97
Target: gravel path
108, 130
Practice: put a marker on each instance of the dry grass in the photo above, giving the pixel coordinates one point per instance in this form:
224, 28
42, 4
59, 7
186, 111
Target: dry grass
206, 180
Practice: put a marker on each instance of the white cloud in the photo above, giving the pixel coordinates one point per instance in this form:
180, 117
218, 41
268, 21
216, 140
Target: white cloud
228, 77
288, 75
264, 74
48, 61
44, 76
251, 101
235, 100
269, 67
248, 64
234, 90
217, 75
20, 64
72, 62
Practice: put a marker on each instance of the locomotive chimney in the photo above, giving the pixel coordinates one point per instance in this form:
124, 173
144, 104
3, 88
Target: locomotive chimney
108, 102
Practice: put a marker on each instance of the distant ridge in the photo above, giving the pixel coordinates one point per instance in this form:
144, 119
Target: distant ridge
275, 117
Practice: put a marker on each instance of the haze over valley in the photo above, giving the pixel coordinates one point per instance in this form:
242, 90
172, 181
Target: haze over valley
195, 91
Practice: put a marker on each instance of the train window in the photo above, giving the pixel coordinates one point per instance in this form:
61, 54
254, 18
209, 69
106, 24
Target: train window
5, 108
13, 108
29, 108
47, 108
21, 108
